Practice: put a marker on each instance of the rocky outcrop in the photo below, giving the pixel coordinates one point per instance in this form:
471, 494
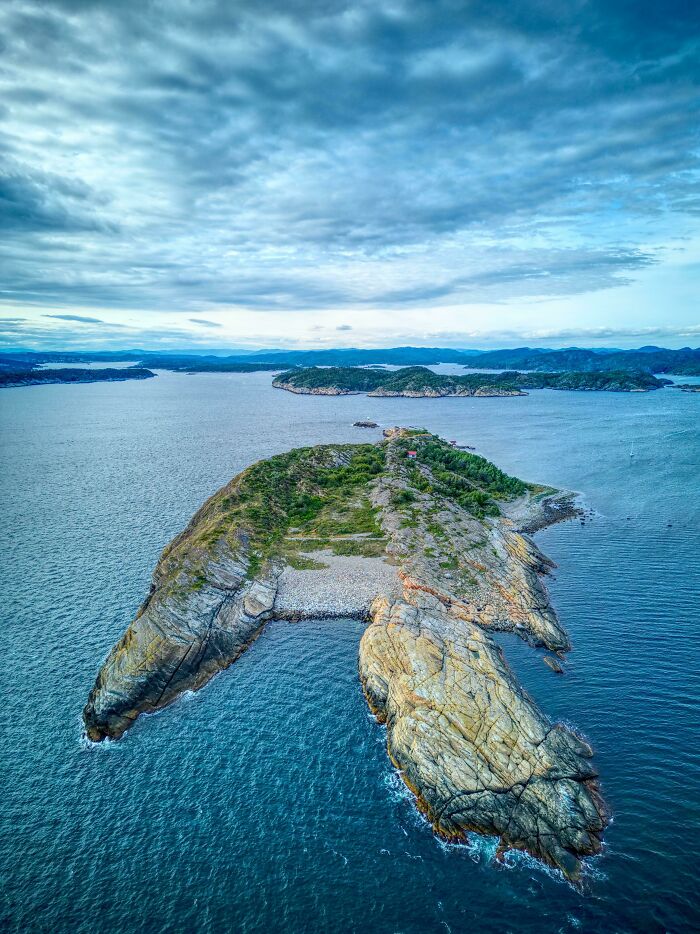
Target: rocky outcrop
381, 393
314, 390
431, 392
181, 637
476, 751
472, 746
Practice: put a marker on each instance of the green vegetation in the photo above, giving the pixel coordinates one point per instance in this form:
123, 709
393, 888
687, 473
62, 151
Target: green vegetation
470, 480
317, 499
301, 490
685, 361
418, 380
304, 563
603, 380
343, 379
187, 363
35, 377
346, 519
402, 498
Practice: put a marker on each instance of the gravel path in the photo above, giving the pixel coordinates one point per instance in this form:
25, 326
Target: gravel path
345, 588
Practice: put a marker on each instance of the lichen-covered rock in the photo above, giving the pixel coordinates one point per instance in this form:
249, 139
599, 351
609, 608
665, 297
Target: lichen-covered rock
474, 748
180, 638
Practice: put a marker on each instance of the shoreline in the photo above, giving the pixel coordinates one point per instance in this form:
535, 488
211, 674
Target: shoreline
433, 579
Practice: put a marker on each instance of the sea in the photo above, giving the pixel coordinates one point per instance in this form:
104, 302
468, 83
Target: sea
266, 802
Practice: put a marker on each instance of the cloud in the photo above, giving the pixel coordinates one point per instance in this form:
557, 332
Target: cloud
344, 327
190, 157
82, 318
205, 323
558, 337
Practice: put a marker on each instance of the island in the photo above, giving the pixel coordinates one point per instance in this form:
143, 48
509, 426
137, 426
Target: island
208, 364
419, 382
688, 387
430, 545
36, 377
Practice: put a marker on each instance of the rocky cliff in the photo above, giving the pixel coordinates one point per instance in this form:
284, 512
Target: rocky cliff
434, 534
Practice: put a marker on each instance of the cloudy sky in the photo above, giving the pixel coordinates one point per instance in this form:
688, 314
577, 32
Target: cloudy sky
296, 173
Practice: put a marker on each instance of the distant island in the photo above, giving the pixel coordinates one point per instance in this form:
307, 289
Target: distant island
189, 364
418, 381
427, 543
688, 387
38, 377
683, 362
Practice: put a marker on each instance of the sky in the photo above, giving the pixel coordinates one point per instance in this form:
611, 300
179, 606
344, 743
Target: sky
288, 173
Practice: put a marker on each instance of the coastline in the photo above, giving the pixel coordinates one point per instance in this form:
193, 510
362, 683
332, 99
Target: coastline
436, 578
70, 376
420, 382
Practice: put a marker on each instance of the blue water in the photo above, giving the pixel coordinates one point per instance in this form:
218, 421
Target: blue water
265, 802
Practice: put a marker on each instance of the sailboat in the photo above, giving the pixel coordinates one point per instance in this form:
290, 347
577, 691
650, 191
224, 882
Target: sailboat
632, 449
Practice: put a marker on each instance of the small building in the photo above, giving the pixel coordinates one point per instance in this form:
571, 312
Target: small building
412, 453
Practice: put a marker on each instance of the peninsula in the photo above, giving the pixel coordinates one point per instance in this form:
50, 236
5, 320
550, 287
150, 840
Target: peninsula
427, 543
37, 377
419, 381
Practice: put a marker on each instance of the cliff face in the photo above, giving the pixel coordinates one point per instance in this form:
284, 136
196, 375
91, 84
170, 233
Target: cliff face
202, 612
474, 748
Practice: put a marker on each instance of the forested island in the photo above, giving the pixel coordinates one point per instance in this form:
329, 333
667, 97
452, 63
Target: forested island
428, 544
190, 364
38, 377
419, 381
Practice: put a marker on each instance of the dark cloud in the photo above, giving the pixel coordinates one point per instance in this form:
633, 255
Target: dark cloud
344, 327
205, 323
300, 154
81, 318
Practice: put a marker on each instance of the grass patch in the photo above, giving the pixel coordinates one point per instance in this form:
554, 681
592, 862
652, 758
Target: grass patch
304, 563
450, 564
359, 547
402, 498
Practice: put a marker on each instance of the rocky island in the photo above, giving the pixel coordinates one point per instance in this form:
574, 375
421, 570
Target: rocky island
430, 545
419, 381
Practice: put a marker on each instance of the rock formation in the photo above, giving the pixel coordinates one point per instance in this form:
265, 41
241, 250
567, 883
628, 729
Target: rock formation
435, 532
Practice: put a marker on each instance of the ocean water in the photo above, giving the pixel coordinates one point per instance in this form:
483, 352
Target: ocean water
266, 802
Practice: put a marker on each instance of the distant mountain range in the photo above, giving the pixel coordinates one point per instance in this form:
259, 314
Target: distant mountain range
685, 362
